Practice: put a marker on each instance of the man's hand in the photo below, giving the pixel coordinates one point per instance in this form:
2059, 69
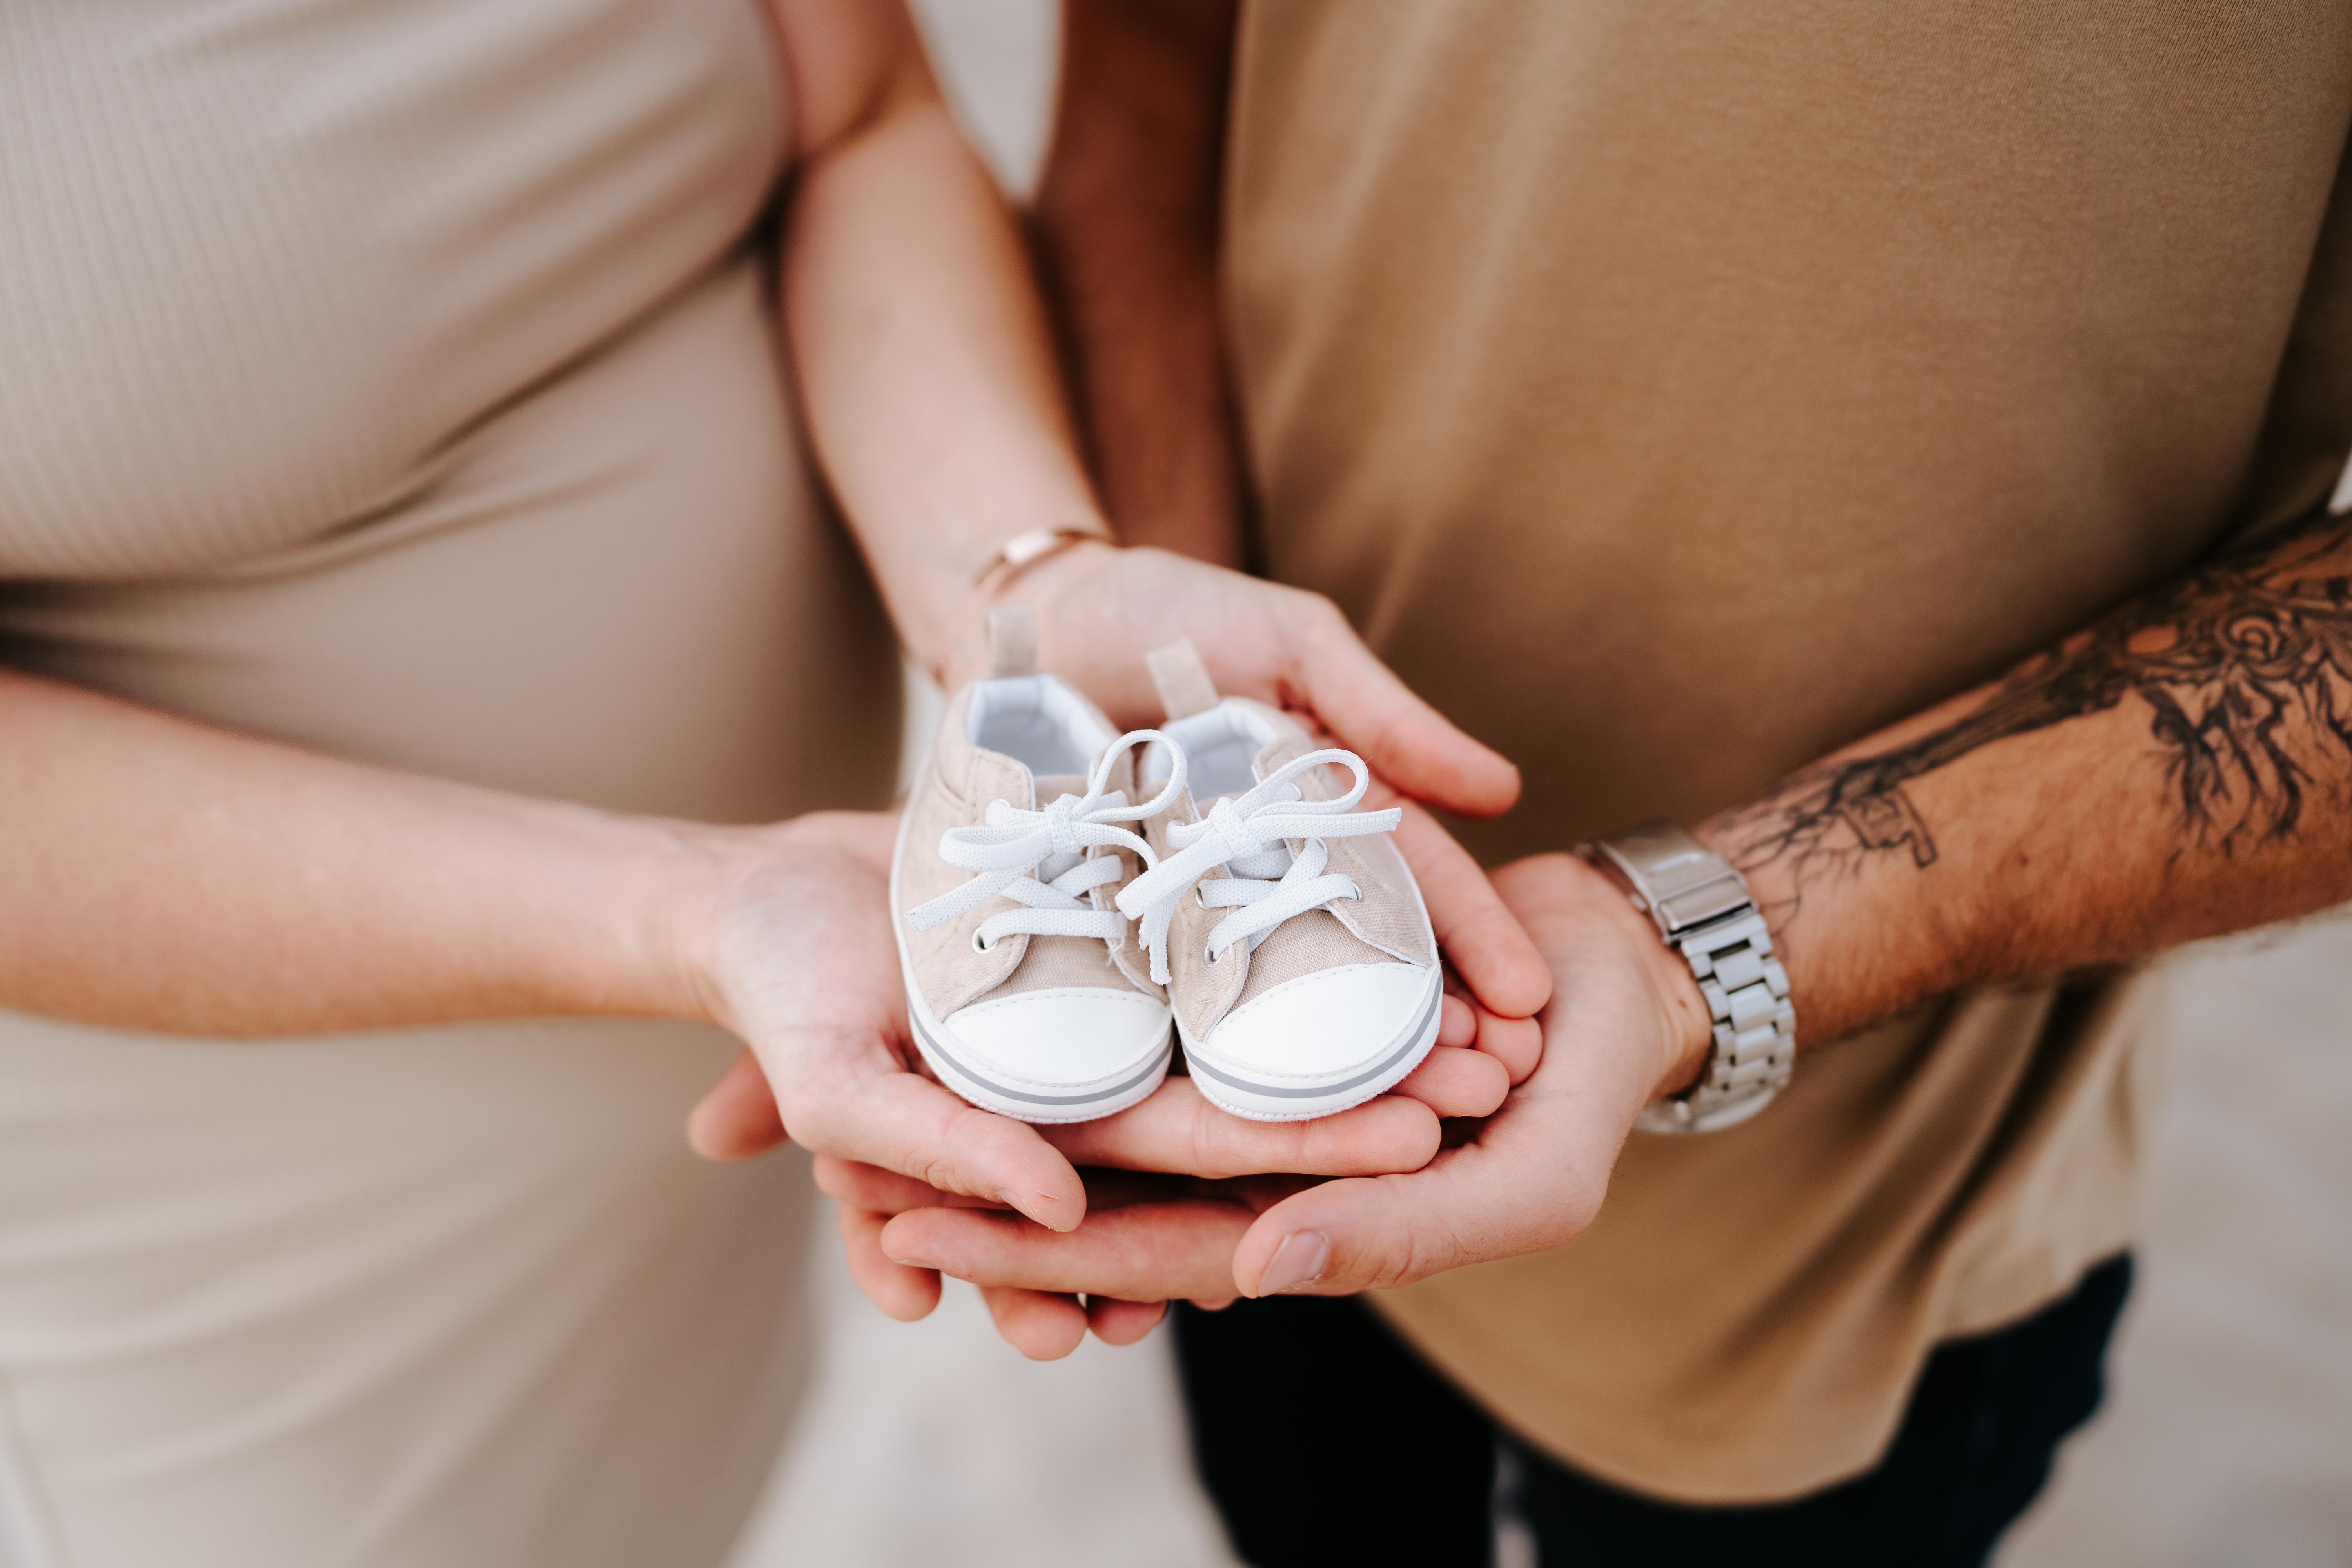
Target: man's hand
1624, 1023
1149, 1236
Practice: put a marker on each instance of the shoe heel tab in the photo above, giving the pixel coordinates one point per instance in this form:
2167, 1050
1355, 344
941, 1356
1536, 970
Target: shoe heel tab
1181, 679
1012, 641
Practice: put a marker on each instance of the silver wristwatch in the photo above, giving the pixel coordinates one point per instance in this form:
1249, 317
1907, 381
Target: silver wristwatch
1704, 909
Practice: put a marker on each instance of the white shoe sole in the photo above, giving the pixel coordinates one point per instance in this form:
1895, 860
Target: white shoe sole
989, 1086
1292, 1099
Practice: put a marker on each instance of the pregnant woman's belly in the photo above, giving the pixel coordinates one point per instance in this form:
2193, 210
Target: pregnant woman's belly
388, 377
393, 380
262, 260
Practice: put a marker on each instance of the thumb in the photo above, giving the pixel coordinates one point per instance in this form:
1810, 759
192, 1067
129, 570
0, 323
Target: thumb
1472, 1204
738, 1118
1361, 1234
1376, 715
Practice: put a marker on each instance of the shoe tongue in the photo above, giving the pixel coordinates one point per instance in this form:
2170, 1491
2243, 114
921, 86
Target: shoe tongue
1052, 787
1272, 756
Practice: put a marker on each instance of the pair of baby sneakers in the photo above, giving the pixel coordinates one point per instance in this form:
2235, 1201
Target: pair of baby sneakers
1071, 902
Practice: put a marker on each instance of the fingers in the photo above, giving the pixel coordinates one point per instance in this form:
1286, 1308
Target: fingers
1360, 700
1453, 1081
904, 1293
1534, 1178
1362, 1233
736, 1120
1457, 1020
886, 1192
910, 1125
1148, 1252
1040, 1325
1118, 1322
1177, 1130
1374, 1232
889, 1192
1480, 936
1516, 1043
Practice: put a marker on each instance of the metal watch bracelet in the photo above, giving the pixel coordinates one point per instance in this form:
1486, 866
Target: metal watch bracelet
1702, 906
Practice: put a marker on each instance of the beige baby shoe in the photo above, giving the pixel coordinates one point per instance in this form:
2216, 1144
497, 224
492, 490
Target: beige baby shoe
1026, 995
1289, 931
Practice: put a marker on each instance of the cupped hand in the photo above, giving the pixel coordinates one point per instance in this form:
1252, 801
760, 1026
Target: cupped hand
1480, 1053
1625, 1023
1101, 609
792, 950
795, 956
1147, 1238
1175, 1145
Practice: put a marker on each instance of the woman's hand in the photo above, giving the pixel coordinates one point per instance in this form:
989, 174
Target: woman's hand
793, 952
1101, 609
790, 945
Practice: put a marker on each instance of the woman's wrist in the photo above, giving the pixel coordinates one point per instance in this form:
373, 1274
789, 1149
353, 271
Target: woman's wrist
690, 876
957, 649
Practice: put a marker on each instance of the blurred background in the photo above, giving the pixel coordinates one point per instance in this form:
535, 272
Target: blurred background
2226, 1439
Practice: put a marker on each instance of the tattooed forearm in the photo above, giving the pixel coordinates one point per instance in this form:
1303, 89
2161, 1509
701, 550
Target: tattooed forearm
2244, 671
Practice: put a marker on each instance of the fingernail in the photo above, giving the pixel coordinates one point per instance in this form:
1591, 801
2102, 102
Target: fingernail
1299, 1260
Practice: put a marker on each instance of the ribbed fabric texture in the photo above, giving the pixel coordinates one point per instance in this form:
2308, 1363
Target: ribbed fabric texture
408, 353
261, 260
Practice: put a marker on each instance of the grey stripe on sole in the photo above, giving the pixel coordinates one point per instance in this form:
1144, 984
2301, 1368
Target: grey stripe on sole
1412, 1038
1027, 1097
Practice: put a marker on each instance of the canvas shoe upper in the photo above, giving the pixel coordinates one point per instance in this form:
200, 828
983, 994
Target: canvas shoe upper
1025, 991
1291, 935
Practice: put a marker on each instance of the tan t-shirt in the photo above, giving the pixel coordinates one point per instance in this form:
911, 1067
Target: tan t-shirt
1675, 392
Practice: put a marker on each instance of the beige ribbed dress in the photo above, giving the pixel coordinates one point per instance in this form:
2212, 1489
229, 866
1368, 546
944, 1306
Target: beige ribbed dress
397, 381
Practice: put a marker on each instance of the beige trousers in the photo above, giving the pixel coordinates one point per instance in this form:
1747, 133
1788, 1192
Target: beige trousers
452, 1297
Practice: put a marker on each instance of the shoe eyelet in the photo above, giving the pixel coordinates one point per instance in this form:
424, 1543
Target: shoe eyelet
1209, 955
980, 943
1197, 898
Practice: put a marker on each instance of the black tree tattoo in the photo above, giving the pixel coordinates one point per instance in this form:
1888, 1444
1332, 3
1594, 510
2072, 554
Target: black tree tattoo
2245, 669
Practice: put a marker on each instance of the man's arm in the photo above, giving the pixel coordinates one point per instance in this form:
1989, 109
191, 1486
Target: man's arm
1127, 226
2179, 769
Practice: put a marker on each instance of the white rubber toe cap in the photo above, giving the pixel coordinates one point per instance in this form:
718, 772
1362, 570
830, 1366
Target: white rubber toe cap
1323, 1024
1069, 1037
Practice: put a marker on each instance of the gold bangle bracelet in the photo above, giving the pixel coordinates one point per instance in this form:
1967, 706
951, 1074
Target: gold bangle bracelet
1028, 549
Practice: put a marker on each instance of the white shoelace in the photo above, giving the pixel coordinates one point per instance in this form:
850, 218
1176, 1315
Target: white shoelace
1039, 859
1247, 835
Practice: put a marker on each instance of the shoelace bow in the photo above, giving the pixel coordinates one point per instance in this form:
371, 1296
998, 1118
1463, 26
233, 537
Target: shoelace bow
1039, 858
1247, 835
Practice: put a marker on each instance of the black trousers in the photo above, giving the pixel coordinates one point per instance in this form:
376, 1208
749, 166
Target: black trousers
1322, 1439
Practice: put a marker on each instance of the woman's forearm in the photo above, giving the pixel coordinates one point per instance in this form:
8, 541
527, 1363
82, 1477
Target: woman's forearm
923, 355
156, 874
